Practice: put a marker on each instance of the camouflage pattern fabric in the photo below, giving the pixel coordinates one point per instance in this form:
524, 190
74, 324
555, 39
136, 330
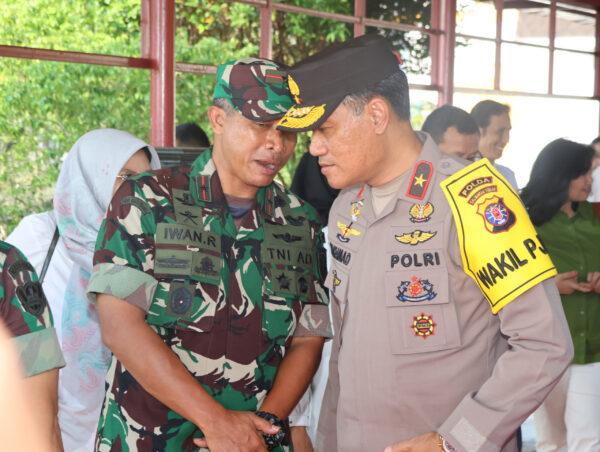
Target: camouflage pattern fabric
226, 301
25, 312
257, 88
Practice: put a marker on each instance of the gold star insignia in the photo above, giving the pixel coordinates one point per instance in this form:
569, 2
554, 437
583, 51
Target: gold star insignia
419, 180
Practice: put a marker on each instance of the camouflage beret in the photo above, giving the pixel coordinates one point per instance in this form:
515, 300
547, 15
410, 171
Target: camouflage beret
256, 88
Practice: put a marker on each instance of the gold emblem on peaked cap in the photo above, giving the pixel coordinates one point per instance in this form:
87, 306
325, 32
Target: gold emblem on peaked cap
298, 118
294, 89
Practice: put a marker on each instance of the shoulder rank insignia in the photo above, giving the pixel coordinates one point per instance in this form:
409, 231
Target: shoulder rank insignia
416, 290
504, 256
421, 213
419, 181
415, 237
423, 325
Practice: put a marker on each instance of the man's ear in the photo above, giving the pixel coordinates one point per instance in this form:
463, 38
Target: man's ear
378, 111
216, 116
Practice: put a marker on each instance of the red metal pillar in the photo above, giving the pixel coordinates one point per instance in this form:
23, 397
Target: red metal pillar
162, 86
359, 11
443, 17
266, 31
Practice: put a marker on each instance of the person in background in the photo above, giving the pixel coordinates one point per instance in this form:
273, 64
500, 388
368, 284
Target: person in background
454, 131
25, 312
595, 194
493, 120
191, 135
97, 164
428, 355
209, 286
555, 196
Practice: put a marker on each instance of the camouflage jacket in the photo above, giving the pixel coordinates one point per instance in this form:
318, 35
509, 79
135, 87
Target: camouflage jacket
226, 301
26, 313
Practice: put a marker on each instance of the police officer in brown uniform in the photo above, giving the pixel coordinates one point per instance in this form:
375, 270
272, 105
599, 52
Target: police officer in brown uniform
449, 329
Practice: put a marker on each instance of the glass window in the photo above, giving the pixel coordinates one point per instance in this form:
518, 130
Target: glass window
207, 34
573, 73
524, 68
414, 49
474, 62
422, 103
95, 27
44, 108
416, 13
476, 18
528, 25
575, 31
535, 122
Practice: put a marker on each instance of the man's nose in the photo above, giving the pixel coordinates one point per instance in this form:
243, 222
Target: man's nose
317, 146
275, 139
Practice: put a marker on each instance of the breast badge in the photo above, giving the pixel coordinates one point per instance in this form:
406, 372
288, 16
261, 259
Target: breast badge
423, 325
415, 237
421, 213
346, 231
355, 208
335, 280
415, 291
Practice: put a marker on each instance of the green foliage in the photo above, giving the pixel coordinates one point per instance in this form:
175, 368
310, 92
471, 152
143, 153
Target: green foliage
46, 106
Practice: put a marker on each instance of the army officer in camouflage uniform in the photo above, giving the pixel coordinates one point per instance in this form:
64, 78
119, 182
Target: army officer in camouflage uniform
25, 311
209, 286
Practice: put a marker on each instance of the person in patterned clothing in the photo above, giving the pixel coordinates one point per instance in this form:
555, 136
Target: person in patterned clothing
209, 284
27, 317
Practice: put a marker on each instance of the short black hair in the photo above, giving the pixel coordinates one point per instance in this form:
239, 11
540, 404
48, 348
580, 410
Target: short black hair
595, 140
446, 116
484, 110
393, 88
191, 135
555, 167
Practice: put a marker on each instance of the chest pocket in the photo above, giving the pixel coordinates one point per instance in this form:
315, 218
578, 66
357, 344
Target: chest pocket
188, 266
420, 314
288, 264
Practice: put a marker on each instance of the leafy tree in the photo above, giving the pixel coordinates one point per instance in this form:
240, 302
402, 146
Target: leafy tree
46, 106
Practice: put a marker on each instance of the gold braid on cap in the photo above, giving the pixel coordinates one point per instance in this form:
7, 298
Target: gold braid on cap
298, 118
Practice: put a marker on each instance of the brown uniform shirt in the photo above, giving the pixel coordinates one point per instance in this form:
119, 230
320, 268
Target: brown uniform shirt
418, 348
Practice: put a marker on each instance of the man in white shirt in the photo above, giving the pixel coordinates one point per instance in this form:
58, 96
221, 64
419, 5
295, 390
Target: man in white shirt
493, 119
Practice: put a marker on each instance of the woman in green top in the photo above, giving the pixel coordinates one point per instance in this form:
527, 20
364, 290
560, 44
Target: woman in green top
555, 197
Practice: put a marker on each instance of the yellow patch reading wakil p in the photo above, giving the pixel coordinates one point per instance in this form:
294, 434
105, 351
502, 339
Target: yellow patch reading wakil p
499, 246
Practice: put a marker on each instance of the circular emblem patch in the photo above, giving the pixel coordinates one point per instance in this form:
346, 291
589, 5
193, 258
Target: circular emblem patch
496, 214
423, 325
181, 301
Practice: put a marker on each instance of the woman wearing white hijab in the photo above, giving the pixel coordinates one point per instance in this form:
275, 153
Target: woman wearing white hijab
93, 170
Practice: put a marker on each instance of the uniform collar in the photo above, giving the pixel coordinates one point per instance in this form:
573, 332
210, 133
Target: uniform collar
206, 190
